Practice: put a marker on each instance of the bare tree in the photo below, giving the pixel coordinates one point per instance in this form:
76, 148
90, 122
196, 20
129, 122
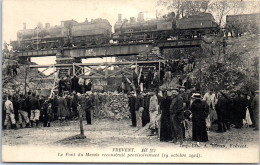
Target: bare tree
185, 7
221, 8
237, 7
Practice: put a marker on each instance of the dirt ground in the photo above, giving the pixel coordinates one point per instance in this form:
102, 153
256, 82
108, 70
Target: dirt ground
106, 132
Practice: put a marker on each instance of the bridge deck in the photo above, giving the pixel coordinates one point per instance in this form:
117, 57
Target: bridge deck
112, 49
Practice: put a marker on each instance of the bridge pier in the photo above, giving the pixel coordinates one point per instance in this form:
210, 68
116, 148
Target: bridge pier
62, 58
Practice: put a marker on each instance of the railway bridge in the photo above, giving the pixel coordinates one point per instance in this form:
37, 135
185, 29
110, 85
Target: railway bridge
69, 59
111, 50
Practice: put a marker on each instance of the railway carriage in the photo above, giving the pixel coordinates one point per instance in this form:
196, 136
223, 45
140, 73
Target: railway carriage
238, 24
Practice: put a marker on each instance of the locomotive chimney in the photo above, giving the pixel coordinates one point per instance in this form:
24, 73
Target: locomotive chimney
24, 26
132, 19
140, 17
47, 25
119, 18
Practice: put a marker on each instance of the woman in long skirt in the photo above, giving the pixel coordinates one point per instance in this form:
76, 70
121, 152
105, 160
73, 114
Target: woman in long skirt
200, 111
165, 131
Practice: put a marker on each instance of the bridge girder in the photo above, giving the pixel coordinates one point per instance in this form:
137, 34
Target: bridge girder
111, 50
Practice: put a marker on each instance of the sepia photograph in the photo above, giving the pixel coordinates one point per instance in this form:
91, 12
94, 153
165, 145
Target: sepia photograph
130, 81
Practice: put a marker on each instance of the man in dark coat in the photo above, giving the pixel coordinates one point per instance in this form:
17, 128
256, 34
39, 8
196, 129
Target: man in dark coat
45, 106
15, 105
67, 82
131, 102
240, 107
221, 109
177, 117
145, 113
74, 105
61, 86
75, 83
89, 109
135, 79
187, 84
165, 131
162, 73
27, 103
200, 111
139, 108
149, 79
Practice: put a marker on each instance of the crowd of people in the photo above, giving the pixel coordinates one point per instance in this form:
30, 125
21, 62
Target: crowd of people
170, 111
79, 85
156, 77
167, 111
33, 109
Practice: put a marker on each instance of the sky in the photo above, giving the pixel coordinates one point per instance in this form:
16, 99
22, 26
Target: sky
15, 12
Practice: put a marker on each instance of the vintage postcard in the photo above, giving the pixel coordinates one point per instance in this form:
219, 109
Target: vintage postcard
130, 81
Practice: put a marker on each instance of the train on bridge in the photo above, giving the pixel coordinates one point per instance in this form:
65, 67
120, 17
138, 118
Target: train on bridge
99, 31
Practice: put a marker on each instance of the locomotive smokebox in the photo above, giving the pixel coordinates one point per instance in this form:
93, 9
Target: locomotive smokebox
119, 17
47, 25
140, 17
24, 26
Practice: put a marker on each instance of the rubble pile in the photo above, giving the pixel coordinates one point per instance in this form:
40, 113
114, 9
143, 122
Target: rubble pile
114, 106
16, 82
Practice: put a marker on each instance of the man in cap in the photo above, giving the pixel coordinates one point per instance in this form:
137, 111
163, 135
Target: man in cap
222, 112
131, 102
185, 96
22, 111
255, 107
35, 109
176, 115
9, 112
74, 105
200, 111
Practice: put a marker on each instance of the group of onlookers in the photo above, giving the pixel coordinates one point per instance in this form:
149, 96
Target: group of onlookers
32, 109
79, 85
154, 77
170, 110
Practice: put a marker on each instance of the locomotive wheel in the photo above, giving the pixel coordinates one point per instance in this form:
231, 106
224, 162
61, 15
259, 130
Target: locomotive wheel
60, 43
55, 44
82, 44
35, 46
88, 43
49, 45
42, 46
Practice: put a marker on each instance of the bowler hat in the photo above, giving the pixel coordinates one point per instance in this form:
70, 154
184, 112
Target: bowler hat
196, 96
176, 89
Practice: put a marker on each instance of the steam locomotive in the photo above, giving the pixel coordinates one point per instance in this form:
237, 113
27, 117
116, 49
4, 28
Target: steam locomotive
69, 33
99, 31
165, 28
